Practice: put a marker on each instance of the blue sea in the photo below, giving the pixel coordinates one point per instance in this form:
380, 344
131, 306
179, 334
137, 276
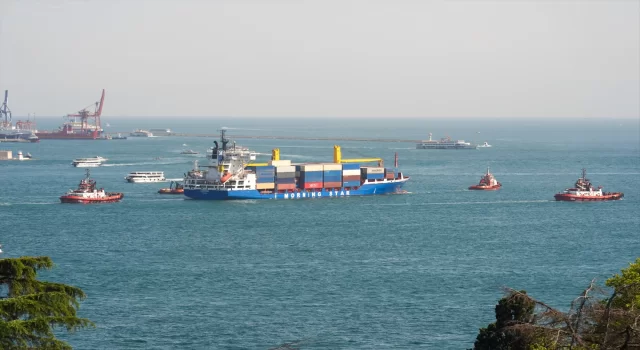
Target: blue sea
421, 270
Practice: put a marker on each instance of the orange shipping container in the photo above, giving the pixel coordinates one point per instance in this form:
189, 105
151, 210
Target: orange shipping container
286, 187
332, 184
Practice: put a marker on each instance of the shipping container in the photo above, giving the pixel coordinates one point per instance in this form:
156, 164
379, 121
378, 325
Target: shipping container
315, 176
265, 186
279, 163
285, 169
351, 178
308, 185
372, 170
351, 183
285, 187
332, 166
351, 172
286, 180
374, 176
350, 166
311, 167
334, 184
285, 175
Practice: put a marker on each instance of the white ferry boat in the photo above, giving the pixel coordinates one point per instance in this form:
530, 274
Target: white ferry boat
141, 133
88, 162
445, 143
161, 132
145, 176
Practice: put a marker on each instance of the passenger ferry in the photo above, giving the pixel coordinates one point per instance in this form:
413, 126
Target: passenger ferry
145, 176
88, 162
141, 133
445, 143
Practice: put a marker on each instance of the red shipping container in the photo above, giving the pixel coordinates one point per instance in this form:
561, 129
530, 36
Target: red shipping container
332, 184
390, 176
286, 186
307, 185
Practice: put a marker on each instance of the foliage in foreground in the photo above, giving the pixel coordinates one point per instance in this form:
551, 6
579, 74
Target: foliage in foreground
30, 309
595, 320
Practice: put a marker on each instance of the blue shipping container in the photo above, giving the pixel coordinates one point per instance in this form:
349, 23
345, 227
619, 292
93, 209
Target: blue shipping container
374, 176
348, 166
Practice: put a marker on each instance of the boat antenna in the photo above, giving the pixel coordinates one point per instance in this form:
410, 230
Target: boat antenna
87, 173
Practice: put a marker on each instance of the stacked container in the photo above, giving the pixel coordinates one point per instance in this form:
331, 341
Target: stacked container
350, 175
332, 174
310, 175
389, 174
265, 177
285, 177
372, 173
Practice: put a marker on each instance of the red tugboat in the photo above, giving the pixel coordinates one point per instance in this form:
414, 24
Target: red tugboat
87, 193
584, 191
174, 188
487, 183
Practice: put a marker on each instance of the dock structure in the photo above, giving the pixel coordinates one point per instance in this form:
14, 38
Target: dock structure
301, 138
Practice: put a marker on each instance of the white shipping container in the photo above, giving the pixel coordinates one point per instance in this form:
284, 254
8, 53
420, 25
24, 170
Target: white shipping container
285, 169
311, 167
332, 166
373, 170
351, 172
284, 162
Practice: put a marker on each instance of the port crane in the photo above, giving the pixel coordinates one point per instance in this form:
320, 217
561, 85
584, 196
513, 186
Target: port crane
84, 116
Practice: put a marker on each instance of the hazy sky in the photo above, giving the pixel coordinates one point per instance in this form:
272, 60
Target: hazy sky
527, 58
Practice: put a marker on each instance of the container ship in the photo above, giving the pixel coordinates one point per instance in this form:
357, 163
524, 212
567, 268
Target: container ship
445, 143
79, 126
233, 174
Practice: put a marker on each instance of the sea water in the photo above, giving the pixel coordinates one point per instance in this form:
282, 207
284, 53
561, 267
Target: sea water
418, 270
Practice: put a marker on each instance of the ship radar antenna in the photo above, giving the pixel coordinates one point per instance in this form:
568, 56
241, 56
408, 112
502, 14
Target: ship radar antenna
87, 173
584, 173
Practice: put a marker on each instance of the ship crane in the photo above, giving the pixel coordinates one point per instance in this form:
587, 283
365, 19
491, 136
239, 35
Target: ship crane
84, 115
337, 158
5, 112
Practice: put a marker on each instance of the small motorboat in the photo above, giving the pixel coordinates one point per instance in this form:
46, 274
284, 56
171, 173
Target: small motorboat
485, 145
190, 151
174, 188
487, 183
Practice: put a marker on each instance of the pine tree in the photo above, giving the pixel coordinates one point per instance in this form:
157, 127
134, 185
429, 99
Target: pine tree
30, 309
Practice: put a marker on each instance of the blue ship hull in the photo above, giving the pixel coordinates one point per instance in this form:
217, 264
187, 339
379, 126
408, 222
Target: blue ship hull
364, 190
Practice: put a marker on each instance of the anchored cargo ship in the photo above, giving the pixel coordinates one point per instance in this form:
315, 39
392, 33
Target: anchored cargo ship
445, 143
78, 126
583, 191
232, 175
